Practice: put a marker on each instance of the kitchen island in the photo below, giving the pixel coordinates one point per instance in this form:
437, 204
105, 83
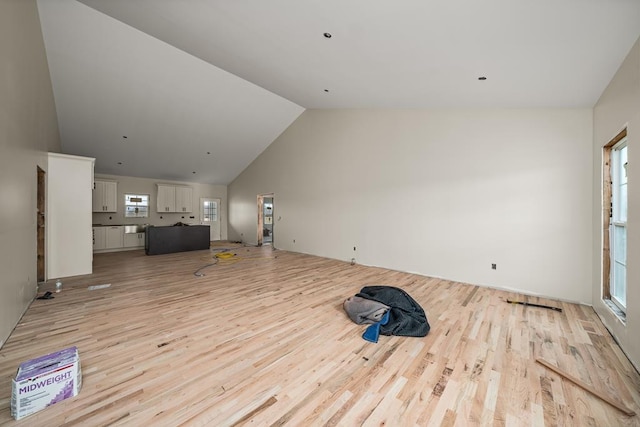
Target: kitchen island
176, 238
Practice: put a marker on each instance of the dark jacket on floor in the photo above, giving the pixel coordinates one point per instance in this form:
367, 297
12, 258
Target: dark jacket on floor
406, 317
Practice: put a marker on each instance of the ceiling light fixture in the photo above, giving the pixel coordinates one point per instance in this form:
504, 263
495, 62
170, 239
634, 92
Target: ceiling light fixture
482, 78
328, 35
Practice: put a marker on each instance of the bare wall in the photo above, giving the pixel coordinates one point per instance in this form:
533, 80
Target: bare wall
617, 108
28, 129
443, 193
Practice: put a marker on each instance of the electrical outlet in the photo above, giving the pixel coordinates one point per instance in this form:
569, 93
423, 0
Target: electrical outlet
353, 261
494, 266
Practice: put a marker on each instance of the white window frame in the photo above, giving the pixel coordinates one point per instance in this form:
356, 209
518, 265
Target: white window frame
136, 206
207, 215
618, 285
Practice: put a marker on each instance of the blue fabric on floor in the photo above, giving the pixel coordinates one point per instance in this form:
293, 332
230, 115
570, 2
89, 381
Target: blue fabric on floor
372, 333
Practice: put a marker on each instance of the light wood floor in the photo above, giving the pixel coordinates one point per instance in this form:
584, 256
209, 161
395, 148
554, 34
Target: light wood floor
262, 340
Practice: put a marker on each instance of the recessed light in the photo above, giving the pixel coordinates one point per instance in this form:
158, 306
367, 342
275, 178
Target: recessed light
482, 78
327, 35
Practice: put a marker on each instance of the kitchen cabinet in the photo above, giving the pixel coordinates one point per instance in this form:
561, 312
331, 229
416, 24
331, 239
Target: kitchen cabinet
166, 198
99, 238
134, 240
105, 196
184, 199
114, 237
174, 198
68, 220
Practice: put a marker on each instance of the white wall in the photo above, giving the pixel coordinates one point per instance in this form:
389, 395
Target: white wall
129, 184
619, 106
29, 129
442, 193
69, 236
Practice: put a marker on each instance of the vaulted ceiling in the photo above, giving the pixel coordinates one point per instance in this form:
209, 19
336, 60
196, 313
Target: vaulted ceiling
195, 90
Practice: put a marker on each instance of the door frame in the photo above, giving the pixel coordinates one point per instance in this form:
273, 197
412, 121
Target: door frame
260, 200
219, 201
40, 225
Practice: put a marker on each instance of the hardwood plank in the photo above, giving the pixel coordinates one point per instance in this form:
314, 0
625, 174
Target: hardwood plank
587, 387
261, 339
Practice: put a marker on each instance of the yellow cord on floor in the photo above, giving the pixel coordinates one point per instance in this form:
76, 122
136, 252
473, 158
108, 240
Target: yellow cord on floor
224, 255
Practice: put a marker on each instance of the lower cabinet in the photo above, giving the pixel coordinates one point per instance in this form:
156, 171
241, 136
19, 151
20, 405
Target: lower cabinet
134, 240
110, 237
99, 236
114, 238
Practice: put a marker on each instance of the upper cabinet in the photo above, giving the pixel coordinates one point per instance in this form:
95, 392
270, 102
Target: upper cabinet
166, 198
184, 199
105, 196
174, 198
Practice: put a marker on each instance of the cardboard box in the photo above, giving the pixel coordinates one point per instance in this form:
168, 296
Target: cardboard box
46, 380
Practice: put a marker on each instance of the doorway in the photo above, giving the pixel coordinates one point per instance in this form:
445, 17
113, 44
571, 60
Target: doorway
210, 215
265, 219
40, 221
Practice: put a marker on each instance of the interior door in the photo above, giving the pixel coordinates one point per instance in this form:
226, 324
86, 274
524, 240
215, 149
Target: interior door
210, 215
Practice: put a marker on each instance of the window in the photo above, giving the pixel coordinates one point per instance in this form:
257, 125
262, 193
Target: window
618, 228
614, 224
136, 205
210, 211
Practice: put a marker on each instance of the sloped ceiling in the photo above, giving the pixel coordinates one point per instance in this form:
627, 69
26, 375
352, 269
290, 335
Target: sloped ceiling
144, 108
181, 78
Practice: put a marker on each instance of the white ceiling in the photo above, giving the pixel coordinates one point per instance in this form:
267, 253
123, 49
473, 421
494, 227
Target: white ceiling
181, 78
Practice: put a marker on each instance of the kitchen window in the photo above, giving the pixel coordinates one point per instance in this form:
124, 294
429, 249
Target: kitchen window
136, 205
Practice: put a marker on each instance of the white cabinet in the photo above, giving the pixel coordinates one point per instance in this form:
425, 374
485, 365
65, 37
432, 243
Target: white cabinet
99, 238
105, 196
113, 237
166, 198
68, 219
174, 198
134, 240
184, 199
108, 237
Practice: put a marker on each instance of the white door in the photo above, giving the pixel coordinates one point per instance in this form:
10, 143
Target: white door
210, 215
